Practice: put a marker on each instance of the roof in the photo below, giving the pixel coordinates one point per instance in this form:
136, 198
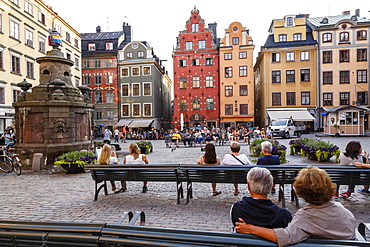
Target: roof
338, 108
270, 43
102, 35
333, 20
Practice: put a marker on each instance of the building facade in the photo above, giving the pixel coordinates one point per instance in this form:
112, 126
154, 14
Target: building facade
100, 72
285, 70
24, 31
145, 88
196, 75
236, 78
343, 71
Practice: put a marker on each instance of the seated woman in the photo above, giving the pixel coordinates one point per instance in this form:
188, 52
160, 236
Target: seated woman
321, 218
257, 209
210, 158
353, 157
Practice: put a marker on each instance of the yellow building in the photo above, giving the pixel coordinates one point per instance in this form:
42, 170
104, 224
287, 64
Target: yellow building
343, 72
236, 77
24, 31
285, 70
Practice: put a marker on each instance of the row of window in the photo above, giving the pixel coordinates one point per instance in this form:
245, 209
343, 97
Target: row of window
133, 89
108, 46
196, 104
140, 54
109, 115
16, 94
98, 63
15, 65
230, 109
284, 37
290, 56
344, 98
344, 56
135, 71
195, 62
99, 99
88, 80
344, 76
344, 36
136, 110
243, 90
290, 76
229, 55
242, 71
196, 82
291, 98
15, 32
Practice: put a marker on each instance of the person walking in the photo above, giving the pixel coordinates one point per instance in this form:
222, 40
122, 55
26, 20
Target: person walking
107, 136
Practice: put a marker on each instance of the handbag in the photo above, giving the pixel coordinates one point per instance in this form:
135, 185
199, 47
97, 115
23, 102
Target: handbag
238, 160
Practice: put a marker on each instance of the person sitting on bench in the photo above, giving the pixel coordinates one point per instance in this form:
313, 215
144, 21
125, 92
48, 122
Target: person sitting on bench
321, 218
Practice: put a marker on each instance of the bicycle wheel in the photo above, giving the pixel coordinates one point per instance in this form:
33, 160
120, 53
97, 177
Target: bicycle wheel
17, 166
5, 164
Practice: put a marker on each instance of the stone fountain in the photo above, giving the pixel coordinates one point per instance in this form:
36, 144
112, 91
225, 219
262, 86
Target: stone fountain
55, 117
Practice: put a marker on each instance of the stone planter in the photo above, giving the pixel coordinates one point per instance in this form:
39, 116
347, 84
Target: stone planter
72, 168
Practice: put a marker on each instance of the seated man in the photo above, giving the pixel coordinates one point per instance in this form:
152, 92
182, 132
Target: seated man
257, 209
268, 159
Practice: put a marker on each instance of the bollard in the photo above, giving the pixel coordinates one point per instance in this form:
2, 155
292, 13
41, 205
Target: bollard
36, 161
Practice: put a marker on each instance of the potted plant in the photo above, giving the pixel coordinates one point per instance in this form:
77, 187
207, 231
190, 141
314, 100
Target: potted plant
145, 147
295, 145
320, 150
338, 131
75, 161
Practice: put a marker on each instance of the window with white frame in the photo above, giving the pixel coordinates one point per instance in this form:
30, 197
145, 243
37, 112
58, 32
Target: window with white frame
136, 110
86, 80
128, 54
135, 89
290, 56
124, 90
86, 64
29, 37
196, 62
289, 21
98, 96
297, 37
28, 7
305, 55
76, 43
195, 27
243, 90
68, 55
124, 72
201, 44
196, 104
183, 104
275, 57
228, 91
327, 37
243, 71
209, 61
2, 95
15, 2
77, 62
189, 45
209, 81
210, 104
92, 47
110, 115
235, 40
109, 79
41, 17
135, 71
147, 91
1, 21
109, 63
30, 69
146, 70
1, 61
242, 54
282, 38
98, 80
344, 37
125, 110
16, 94
228, 56
109, 97
140, 54
182, 62
196, 82
58, 28
68, 37
228, 72
42, 44
147, 109
109, 46
14, 29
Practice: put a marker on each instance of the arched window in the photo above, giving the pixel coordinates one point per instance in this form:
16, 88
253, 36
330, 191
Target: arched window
46, 72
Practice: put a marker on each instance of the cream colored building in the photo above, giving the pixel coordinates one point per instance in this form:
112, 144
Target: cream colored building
236, 77
24, 31
285, 70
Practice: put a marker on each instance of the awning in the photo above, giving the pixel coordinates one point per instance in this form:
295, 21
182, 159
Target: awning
124, 122
140, 123
297, 115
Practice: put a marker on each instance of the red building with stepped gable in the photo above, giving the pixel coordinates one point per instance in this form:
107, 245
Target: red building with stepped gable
196, 75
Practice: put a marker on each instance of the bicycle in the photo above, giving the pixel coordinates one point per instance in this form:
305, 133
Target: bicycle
10, 161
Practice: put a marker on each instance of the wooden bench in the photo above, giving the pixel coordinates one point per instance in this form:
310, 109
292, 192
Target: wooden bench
18, 233
151, 173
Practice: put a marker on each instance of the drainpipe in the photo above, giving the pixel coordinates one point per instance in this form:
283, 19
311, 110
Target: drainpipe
318, 82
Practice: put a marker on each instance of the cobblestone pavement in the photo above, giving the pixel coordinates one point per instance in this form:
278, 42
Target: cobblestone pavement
46, 196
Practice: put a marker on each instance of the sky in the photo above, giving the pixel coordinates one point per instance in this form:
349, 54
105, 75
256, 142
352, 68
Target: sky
159, 21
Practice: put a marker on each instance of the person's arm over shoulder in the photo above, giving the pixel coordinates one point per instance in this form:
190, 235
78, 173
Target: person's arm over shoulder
199, 160
124, 160
218, 161
145, 159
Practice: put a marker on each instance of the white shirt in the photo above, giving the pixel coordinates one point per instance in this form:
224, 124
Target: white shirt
130, 160
230, 160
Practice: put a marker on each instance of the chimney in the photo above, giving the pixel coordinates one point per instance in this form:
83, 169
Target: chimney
127, 29
357, 12
346, 12
98, 29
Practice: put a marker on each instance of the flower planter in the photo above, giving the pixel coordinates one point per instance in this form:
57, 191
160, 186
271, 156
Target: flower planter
312, 156
276, 153
72, 168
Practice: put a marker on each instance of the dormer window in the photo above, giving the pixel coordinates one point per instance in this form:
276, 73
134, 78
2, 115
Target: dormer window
354, 18
297, 36
289, 21
282, 38
324, 21
109, 46
91, 47
344, 37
